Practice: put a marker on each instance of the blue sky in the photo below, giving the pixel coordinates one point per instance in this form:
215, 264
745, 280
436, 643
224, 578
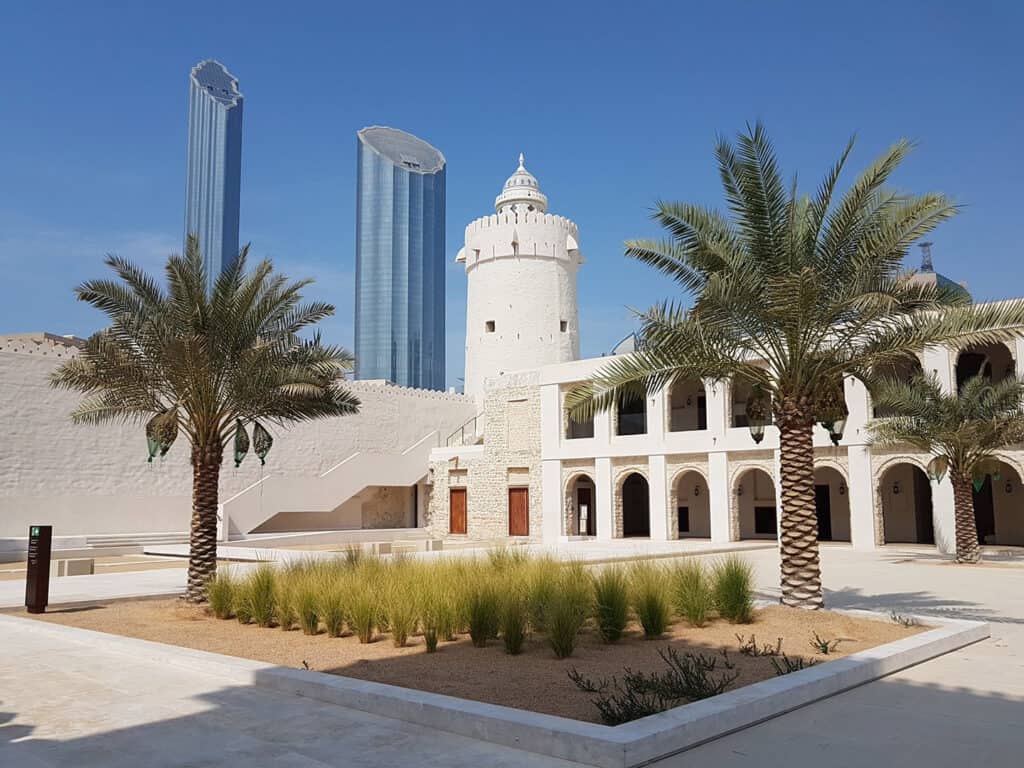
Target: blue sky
615, 105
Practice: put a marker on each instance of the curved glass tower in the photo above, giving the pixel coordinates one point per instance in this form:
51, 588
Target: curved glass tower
400, 263
213, 185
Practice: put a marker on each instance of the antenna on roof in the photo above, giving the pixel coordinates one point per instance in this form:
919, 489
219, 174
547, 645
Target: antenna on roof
926, 256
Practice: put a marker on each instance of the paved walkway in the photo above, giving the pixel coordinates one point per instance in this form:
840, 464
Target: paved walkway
63, 703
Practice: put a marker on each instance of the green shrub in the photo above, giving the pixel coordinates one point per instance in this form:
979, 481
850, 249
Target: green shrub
258, 595
733, 588
693, 595
611, 603
220, 592
513, 620
651, 597
483, 604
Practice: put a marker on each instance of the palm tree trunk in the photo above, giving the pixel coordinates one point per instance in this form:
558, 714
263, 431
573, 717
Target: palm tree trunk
202, 555
798, 540
967, 548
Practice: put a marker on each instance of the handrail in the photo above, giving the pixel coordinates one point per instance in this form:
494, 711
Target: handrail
460, 433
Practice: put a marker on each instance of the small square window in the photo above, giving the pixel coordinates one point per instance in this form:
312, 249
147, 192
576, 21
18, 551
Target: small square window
564, 325
489, 326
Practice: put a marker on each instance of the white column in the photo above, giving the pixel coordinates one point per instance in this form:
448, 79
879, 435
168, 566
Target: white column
719, 496
861, 490
603, 430
553, 503
940, 361
857, 403
717, 394
944, 516
1017, 347
550, 420
605, 512
656, 416
658, 500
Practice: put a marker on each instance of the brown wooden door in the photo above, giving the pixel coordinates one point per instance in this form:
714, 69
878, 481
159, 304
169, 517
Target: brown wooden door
518, 511
457, 510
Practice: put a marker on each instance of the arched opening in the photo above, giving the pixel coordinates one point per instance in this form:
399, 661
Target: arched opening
631, 416
904, 370
999, 508
636, 506
832, 504
581, 507
687, 406
741, 391
757, 508
691, 511
992, 361
906, 505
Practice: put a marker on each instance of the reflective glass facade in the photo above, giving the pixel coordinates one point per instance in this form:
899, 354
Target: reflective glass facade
214, 181
400, 210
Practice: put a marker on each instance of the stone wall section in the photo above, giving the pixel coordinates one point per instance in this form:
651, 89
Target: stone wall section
510, 458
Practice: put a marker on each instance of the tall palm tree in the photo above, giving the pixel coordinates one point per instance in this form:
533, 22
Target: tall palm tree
204, 361
791, 294
962, 431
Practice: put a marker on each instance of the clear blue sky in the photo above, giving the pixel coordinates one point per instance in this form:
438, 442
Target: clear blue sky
615, 105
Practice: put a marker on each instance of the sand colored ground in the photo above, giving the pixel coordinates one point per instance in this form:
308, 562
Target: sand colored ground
534, 680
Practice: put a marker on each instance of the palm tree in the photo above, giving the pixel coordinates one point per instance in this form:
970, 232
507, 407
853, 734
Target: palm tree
791, 294
204, 361
962, 431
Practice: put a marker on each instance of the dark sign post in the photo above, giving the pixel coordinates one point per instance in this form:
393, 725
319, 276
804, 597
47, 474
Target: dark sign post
37, 578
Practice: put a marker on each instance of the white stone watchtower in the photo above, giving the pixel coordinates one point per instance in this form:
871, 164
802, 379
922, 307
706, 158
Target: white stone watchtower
521, 285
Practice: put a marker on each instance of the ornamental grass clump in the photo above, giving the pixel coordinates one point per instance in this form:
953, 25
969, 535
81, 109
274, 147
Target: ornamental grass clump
220, 593
611, 603
400, 598
732, 582
483, 611
331, 607
513, 618
542, 576
258, 595
362, 610
305, 603
693, 596
568, 606
651, 598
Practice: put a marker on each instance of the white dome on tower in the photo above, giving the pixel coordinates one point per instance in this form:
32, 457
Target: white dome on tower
521, 193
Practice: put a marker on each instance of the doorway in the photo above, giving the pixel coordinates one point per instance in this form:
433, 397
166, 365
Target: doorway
823, 508
518, 511
457, 510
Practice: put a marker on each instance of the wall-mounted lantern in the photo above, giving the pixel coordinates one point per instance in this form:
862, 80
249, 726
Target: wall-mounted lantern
842, 489
896, 488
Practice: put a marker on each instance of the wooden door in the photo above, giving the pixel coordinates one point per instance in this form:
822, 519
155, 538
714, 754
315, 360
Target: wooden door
584, 499
457, 510
518, 511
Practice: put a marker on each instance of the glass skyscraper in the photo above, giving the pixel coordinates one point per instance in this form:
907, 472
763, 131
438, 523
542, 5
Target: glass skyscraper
400, 261
213, 186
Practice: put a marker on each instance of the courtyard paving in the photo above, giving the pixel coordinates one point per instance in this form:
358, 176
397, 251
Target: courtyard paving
65, 702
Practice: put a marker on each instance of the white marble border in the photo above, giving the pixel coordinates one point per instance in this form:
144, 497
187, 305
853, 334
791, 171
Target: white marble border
622, 746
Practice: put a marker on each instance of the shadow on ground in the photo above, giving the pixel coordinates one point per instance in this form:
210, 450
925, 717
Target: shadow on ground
244, 725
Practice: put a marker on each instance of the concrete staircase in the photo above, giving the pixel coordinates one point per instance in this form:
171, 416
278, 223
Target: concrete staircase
274, 494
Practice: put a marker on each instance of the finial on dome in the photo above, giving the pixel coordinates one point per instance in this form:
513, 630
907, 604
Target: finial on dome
521, 161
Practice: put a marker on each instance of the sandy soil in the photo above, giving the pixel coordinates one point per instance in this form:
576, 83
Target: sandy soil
534, 680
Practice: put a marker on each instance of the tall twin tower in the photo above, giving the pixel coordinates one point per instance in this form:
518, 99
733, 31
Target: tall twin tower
520, 263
